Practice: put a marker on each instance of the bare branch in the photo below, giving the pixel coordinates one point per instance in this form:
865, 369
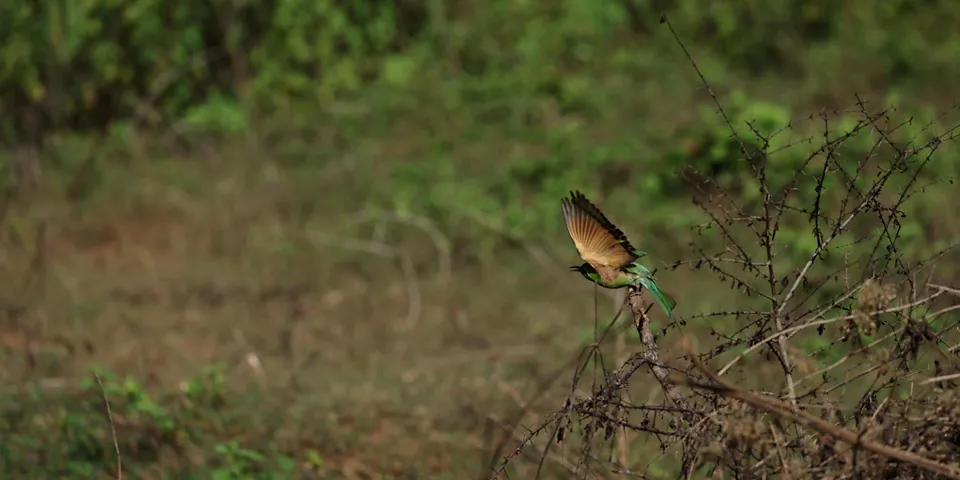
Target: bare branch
793, 413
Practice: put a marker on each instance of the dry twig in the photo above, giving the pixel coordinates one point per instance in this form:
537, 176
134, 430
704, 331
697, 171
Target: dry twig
113, 428
791, 412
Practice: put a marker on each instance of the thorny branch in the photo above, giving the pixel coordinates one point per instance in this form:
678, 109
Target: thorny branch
825, 297
651, 356
793, 413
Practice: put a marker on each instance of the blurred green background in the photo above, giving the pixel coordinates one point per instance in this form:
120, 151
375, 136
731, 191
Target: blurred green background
322, 238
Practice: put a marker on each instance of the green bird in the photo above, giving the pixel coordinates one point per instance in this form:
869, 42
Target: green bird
609, 259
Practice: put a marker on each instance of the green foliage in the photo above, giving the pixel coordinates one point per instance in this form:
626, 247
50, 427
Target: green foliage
218, 114
319, 49
89, 64
238, 462
477, 116
69, 435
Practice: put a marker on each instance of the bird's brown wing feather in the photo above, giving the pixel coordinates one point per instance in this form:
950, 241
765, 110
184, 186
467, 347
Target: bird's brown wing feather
599, 242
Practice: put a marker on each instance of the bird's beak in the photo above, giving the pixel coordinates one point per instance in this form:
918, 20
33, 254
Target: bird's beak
575, 268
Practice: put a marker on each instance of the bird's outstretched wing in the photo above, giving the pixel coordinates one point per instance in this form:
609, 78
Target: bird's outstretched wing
599, 242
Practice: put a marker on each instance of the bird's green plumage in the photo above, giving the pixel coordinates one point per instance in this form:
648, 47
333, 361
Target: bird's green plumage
623, 279
631, 275
666, 302
610, 259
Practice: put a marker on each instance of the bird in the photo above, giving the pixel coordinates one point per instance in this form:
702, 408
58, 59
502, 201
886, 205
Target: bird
609, 259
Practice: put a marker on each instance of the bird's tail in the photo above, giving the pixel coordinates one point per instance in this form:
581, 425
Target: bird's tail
666, 302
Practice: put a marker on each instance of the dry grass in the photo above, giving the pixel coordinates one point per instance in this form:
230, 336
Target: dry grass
372, 340
384, 354
395, 347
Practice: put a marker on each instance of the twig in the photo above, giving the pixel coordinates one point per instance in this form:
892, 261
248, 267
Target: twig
953, 291
791, 412
781, 339
651, 355
793, 330
554, 457
113, 428
623, 437
851, 355
940, 378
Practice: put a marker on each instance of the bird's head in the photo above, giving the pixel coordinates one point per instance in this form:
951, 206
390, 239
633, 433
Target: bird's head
584, 269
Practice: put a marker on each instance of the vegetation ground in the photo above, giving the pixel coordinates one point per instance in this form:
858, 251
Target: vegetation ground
371, 282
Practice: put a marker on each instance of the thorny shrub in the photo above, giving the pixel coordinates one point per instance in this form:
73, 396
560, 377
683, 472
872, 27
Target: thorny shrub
850, 354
